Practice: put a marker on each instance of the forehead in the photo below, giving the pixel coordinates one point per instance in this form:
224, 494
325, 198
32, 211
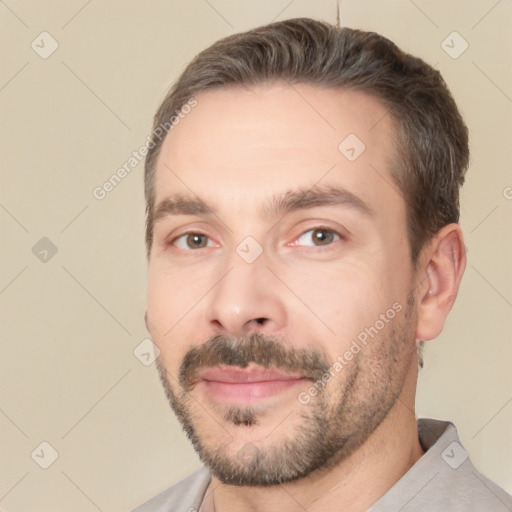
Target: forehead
242, 144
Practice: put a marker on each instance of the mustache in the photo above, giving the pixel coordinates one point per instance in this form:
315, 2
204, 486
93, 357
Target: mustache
264, 350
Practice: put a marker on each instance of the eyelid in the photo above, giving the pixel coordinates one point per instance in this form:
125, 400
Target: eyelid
175, 226
173, 237
315, 227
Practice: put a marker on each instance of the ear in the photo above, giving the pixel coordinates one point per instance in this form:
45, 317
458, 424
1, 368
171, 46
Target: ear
442, 264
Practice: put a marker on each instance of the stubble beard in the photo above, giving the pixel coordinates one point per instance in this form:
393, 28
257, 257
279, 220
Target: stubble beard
327, 430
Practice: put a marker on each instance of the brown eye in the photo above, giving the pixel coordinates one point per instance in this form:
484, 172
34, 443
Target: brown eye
322, 237
318, 237
196, 241
189, 241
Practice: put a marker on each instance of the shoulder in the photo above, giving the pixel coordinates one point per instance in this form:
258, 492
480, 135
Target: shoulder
185, 496
443, 479
456, 481
461, 488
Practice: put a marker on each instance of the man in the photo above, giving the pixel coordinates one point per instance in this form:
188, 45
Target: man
303, 201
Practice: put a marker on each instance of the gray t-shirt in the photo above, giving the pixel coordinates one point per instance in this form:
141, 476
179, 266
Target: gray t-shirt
444, 479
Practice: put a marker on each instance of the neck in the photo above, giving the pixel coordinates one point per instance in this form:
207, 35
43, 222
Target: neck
383, 459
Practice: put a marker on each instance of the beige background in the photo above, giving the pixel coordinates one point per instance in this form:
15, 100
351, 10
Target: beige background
68, 375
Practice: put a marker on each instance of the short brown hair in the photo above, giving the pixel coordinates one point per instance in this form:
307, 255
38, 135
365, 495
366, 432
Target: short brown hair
431, 137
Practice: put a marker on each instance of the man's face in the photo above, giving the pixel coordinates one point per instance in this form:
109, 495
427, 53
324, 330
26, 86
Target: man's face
279, 259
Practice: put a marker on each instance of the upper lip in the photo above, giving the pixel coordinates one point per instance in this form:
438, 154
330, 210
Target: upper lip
233, 374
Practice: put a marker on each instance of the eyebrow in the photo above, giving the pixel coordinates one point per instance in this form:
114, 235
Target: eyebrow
278, 205
318, 196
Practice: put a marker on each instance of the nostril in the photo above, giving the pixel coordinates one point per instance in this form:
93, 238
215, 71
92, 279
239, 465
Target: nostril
261, 321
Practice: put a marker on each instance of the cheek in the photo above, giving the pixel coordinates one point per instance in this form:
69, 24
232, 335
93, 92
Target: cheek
175, 310
342, 299
169, 302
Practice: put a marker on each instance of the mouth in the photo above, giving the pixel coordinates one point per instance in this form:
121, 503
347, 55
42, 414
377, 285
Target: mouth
245, 386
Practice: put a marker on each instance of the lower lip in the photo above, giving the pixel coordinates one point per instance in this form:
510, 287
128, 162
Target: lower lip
249, 391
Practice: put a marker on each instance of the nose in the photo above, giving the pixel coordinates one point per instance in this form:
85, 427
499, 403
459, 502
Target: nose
246, 300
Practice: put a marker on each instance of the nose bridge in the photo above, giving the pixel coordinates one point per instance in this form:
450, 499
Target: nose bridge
244, 299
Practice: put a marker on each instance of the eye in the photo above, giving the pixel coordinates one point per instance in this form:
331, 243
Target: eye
189, 241
318, 237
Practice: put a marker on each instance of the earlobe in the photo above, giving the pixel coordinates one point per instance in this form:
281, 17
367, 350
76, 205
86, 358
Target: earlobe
443, 262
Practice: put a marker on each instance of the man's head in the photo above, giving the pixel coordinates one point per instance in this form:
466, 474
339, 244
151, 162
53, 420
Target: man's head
430, 137
301, 236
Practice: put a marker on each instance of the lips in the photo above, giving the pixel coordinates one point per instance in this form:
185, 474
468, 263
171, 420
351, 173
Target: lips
246, 385
233, 374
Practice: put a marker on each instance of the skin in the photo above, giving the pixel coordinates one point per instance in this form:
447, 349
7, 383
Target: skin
237, 148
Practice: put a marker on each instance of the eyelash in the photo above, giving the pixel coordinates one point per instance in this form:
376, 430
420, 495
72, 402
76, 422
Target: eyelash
173, 241
315, 228
321, 228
